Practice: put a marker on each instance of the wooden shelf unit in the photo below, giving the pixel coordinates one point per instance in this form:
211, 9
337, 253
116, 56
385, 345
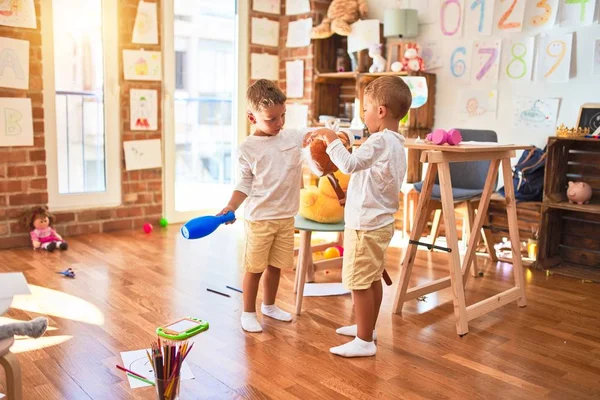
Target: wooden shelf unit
332, 88
570, 233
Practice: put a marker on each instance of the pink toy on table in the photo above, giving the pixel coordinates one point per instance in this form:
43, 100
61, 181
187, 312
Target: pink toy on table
440, 136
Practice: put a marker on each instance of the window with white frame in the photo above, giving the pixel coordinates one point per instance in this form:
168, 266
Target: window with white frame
82, 103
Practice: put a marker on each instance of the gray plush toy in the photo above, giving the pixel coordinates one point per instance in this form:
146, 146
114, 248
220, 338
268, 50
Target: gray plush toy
34, 328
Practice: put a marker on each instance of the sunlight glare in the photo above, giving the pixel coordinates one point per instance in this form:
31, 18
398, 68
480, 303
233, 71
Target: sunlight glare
58, 304
28, 344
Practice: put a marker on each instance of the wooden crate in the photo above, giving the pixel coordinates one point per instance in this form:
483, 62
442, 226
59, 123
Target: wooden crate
570, 233
572, 160
570, 243
528, 216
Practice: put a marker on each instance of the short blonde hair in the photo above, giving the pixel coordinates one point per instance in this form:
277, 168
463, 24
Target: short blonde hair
392, 93
263, 94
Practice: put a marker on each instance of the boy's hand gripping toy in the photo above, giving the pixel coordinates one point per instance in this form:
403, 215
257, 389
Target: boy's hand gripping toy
203, 226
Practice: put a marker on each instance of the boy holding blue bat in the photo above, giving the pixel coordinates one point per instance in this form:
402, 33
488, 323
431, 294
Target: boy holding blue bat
270, 179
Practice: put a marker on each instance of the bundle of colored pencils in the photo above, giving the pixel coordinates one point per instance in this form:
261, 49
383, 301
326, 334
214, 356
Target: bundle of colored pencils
167, 358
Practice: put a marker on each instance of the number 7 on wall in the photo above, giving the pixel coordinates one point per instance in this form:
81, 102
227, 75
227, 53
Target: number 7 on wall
493, 56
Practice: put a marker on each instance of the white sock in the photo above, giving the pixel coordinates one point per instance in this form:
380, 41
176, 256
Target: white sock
351, 330
355, 348
275, 312
250, 323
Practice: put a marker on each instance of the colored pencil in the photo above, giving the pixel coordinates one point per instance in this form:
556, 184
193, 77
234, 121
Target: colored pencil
167, 358
131, 372
234, 289
141, 379
217, 292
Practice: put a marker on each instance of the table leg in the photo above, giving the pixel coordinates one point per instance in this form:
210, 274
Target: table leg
513, 228
303, 259
456, 276
415, 234
470, 222
484, 202
310, 267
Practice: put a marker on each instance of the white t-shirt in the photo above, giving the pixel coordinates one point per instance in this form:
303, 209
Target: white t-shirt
378, 167
270, 174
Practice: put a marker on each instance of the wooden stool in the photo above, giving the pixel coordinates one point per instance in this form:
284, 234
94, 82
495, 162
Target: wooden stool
440, 157
12, 369
305, 261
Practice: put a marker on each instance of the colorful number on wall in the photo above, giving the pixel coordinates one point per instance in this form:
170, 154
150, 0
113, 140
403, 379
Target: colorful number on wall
503, 24
517, 58
543, 19
555, 49
458, 67
583, 7
493, 56
481, 4
443, 10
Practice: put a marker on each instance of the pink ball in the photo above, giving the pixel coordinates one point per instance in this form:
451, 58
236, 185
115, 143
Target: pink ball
148, 227
454, 137
340, 249
439, 136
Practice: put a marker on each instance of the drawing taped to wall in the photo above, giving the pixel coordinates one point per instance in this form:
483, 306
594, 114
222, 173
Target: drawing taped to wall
14, 63
535, 114
16, 122
144, 110
145, 29
142, 65
142, 154
18, 13
477, 103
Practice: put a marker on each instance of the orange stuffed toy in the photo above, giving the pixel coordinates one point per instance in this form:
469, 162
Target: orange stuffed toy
320, 164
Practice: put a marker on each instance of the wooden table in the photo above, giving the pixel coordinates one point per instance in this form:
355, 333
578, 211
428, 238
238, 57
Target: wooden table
439, 159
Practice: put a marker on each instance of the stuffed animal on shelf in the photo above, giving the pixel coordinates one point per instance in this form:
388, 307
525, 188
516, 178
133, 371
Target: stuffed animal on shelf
39, 221
320, 203
411, 60
34, 328
378, 60
340, 15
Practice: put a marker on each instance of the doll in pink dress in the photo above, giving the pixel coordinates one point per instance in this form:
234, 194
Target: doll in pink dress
43, 236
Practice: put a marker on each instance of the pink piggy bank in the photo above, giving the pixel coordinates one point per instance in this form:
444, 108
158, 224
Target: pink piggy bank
579, 192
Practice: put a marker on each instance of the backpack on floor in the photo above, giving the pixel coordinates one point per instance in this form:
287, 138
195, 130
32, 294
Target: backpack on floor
528, 175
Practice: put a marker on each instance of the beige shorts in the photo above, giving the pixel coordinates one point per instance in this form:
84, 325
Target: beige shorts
364, 256
269, 242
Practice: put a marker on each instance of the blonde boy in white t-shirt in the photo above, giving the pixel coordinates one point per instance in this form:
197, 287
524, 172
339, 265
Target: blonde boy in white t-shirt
270, 178
378, 167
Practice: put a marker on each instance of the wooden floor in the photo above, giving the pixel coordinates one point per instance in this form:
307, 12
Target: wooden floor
129, 283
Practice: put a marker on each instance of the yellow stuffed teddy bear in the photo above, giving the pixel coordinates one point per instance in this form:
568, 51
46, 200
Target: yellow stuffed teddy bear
321, 204
340, 15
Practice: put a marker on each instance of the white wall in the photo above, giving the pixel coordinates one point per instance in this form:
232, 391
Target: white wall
582, 87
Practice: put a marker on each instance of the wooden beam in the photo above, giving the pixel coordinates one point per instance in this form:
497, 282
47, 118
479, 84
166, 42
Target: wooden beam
427, 288
492, 303
441, 156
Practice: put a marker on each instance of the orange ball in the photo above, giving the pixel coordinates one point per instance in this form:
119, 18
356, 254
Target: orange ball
331, 252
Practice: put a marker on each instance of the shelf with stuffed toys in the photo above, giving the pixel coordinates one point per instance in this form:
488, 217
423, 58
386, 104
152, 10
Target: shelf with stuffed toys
340, 79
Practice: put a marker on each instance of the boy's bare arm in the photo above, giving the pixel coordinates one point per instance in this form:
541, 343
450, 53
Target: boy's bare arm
240, 193
236, 200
